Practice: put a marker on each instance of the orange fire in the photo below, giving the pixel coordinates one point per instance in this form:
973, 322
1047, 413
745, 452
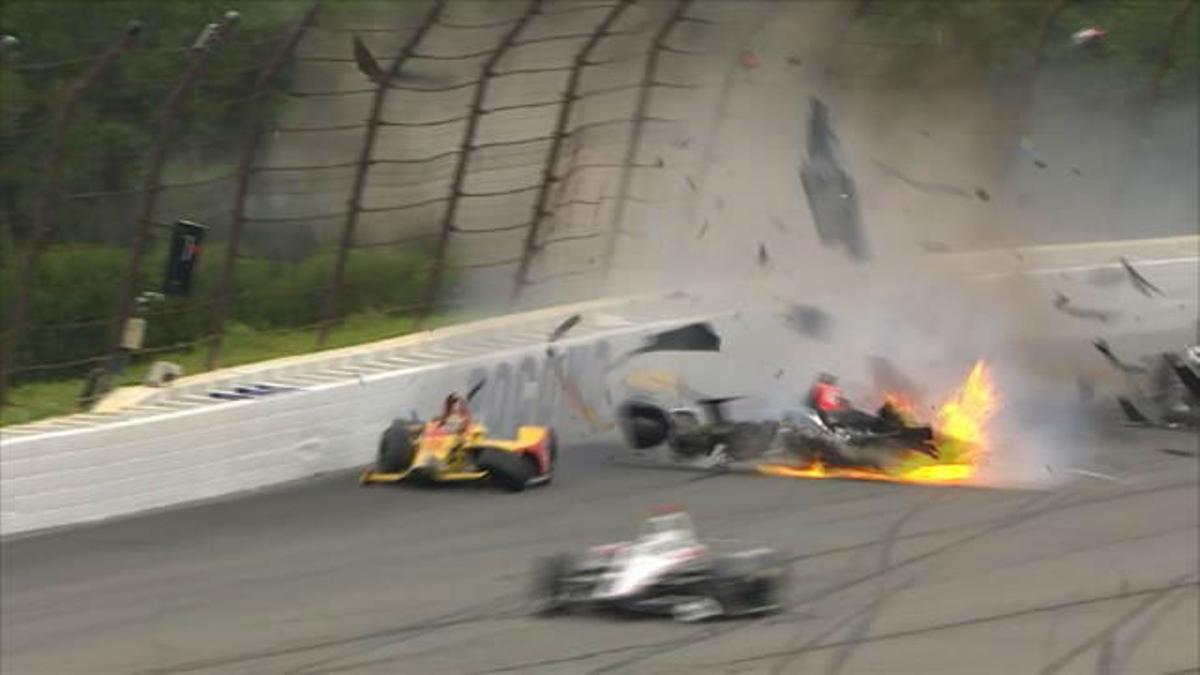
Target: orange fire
960, 433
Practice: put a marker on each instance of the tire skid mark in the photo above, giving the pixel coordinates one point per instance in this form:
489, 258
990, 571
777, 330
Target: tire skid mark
1154, 592
1153, 598
882, 595
1126, 650
472, 614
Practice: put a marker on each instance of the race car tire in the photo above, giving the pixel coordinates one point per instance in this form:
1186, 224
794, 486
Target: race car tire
510, 470
716, 598
547, 598
553, 443
395, 448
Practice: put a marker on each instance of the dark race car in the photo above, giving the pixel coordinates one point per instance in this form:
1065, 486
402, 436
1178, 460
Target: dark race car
665, 571
800, 435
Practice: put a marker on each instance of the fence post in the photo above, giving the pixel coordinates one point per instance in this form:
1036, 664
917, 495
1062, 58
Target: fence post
570, 95
250, 140
433, 283
157, 159
363, 167
45, 215
1168, 53
635, 138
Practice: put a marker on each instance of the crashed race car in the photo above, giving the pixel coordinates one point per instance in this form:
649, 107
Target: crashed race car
454, 448
665, 571
801, 435
1163, 391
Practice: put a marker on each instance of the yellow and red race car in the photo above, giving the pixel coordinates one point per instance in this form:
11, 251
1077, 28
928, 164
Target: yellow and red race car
440, 452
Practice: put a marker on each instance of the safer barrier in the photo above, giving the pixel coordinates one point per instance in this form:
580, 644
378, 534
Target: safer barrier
71, 476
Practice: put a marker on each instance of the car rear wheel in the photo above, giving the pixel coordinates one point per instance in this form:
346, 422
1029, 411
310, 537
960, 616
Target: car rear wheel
553, 443
510, 470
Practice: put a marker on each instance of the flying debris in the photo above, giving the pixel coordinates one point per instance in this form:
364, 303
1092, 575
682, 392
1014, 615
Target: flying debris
565, 326
1063, 304
695, 337
1102, 346
924, 186
1090, 35
982, 194
691, 183
703, 230
367, 64
832, 196
763, 258
1039, 163
1139, 282
812, 322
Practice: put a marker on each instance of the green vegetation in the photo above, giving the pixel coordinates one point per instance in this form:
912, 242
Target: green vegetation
114, 122
37, 400
1003, 34
78, 285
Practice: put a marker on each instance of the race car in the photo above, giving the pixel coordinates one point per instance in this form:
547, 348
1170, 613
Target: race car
436, 452
665, 571
887, 438
800, 434
1164, 391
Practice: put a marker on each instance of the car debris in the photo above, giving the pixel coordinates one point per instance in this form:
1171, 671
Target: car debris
1140, 283
829, 187
1063, 304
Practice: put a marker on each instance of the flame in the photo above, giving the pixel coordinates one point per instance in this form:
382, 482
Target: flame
960, 426
960, 434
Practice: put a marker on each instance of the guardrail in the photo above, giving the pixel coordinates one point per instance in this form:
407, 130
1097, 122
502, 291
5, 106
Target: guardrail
206, 440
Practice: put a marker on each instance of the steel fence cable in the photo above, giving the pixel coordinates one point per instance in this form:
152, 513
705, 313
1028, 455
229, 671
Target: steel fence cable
364, 164
468, 143
404, 207
484, 265
560, 133
252, 136
44, 225
452, 57
476, 26
317, 129
641, 109
501, 193
521, 106
430, 123
575, 237
491, 230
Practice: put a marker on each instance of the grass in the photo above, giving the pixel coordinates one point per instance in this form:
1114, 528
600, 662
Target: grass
38, 400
